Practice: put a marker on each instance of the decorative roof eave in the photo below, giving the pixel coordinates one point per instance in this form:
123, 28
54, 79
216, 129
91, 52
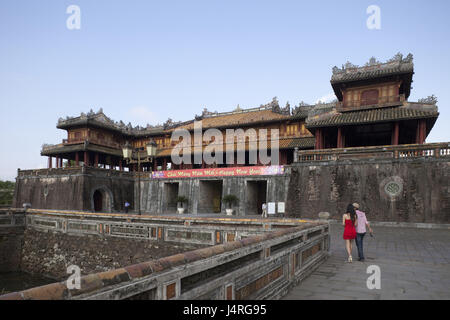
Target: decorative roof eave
54, 150
283, 143
100, 120
98, 124
409, 112
302, 110
246, 124
373, 69
273, 105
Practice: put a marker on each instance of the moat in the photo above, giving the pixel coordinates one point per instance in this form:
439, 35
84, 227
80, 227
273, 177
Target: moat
17, 281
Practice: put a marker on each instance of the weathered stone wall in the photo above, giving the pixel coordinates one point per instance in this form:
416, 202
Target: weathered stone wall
401, 190
50, 253
52, 191
11, 240
12, 227
119, 186
73, 188
153, 194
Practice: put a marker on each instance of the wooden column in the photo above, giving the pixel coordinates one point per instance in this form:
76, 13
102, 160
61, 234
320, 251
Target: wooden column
96, 160
77, 159
339, 143
317, 136
155, 164
395, 134
120, 165
165, 164
57, 162
50, 160
319, 139
421, 131
282, 158
343, 138
86, 159
60, 162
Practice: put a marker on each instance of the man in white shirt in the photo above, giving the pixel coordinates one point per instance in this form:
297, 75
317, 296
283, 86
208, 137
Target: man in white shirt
264, 210
361, 230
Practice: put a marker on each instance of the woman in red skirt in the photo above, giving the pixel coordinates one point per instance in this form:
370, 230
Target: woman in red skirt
350, 221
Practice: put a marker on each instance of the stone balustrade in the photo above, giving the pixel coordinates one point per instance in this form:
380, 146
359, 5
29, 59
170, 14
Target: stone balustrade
247, 259
427, 150
73, 170
181, 229
12, 218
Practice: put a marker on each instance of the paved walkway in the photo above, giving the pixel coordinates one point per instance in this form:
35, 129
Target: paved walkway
414, 264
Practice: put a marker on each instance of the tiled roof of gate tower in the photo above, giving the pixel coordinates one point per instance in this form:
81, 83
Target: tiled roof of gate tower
270, 112
373, 69
374, 115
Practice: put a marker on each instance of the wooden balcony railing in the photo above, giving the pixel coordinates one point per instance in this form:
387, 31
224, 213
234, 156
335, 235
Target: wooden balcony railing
359, 104
435, 150
94, 140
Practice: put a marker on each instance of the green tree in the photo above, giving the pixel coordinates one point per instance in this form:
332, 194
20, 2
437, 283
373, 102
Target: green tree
6, 192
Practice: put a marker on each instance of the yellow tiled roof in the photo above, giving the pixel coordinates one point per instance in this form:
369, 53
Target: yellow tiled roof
283, 143
372, 116
236, 119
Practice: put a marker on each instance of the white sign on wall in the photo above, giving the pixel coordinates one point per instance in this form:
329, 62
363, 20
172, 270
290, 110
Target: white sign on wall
271, 208
280, 207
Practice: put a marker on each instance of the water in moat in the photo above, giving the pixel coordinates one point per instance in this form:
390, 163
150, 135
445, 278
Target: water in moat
17, 281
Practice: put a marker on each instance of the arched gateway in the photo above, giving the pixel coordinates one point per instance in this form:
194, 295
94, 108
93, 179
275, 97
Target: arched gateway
101, 200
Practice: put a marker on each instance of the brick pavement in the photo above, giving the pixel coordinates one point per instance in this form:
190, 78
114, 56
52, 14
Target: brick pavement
414, 264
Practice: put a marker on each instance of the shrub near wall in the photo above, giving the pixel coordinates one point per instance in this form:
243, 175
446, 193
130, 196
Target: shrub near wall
6, 193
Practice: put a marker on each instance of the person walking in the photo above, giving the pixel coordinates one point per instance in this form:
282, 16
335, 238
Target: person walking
350, 221
127, 205
264, 210
361, 230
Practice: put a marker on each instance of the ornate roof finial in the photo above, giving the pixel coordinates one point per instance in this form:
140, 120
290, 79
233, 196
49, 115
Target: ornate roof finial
409, 58
349, 65
372, 62
429, 100
397, 58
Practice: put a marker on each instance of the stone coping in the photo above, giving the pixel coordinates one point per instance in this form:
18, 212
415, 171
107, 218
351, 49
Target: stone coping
98, 281
174, 217
418, 225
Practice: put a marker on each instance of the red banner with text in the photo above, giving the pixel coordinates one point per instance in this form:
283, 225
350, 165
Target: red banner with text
219, 172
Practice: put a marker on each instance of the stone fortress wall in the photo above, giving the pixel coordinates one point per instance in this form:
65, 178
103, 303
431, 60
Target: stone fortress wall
390, 185
392, 190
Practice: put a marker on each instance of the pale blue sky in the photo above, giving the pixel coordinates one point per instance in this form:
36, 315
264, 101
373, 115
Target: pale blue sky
146, 61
